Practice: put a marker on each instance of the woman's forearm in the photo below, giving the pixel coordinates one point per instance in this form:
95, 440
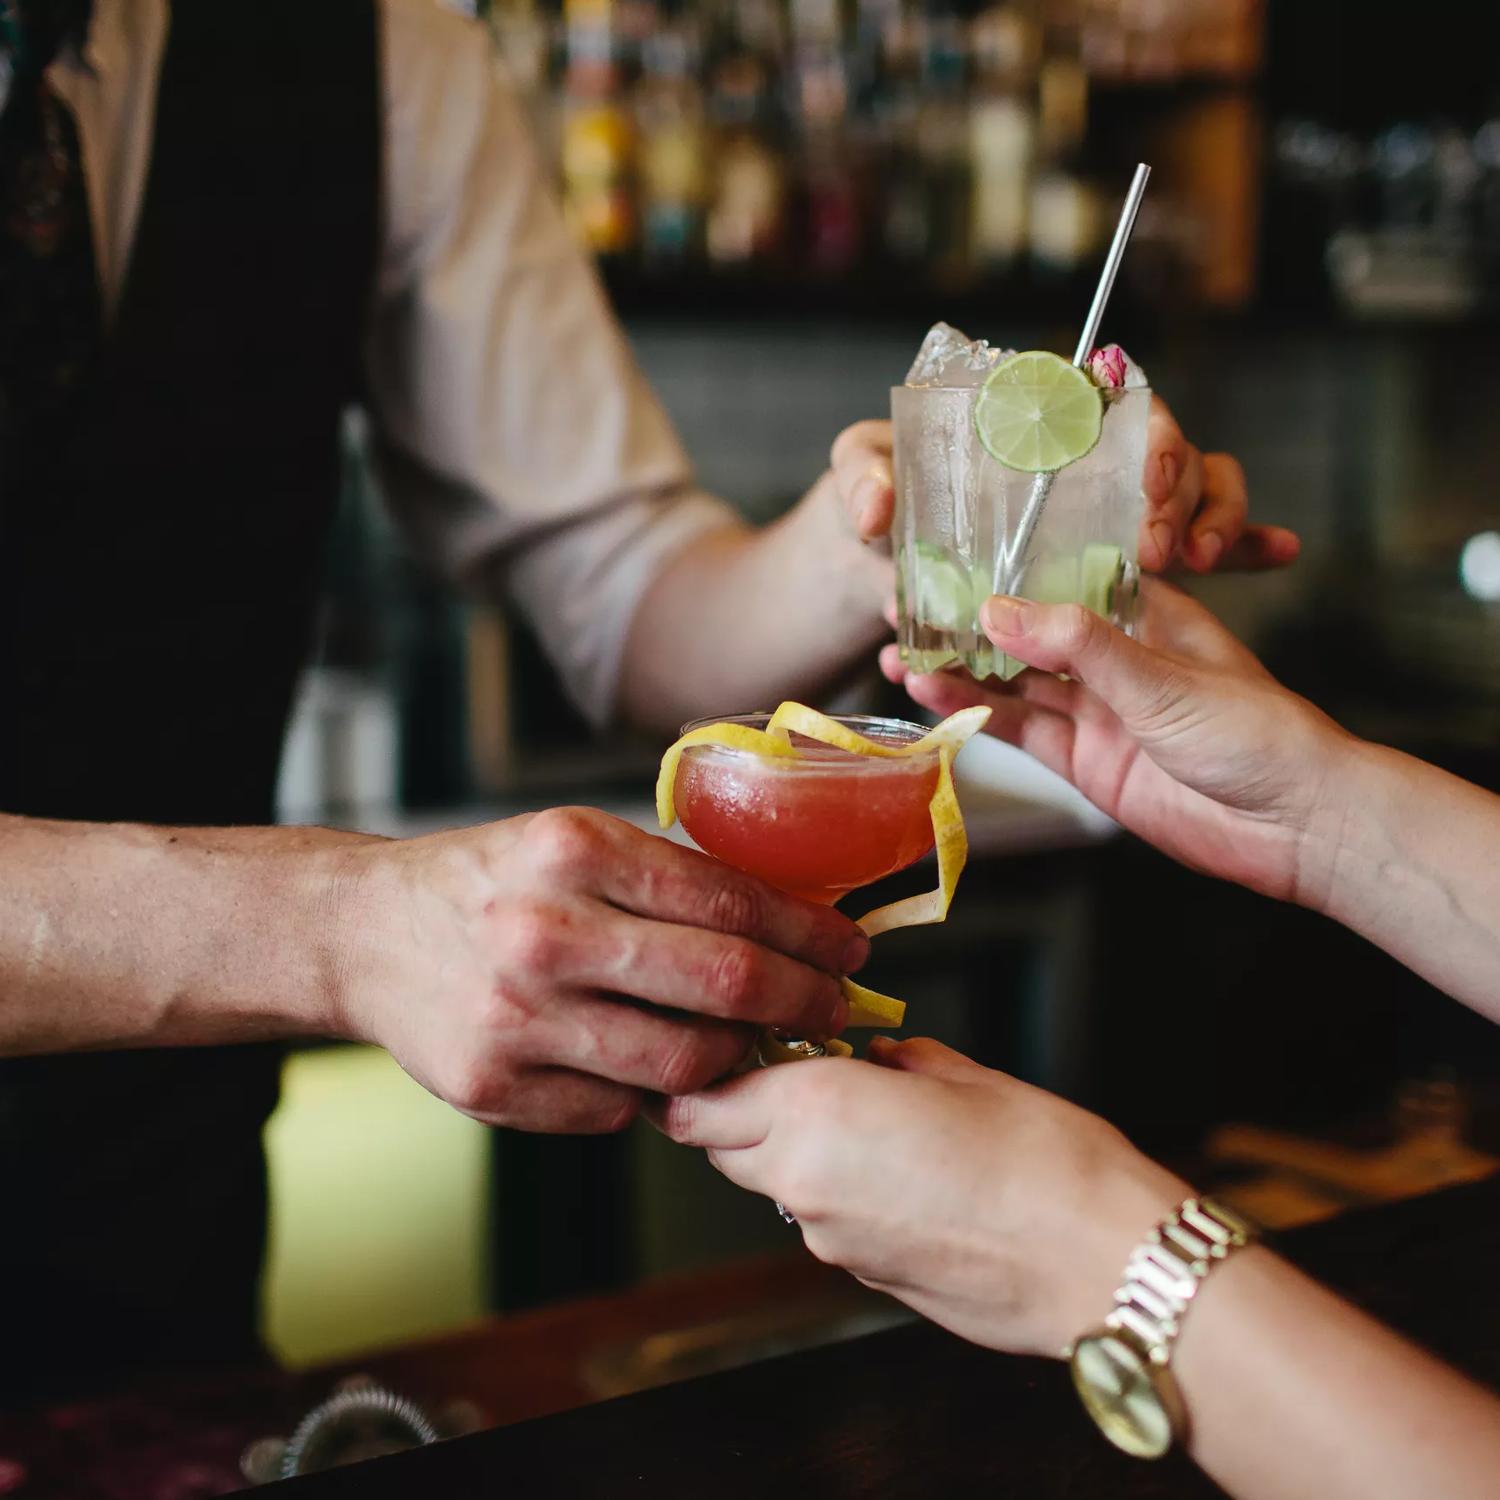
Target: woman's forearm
1293, 1392
1410, 862
119, 935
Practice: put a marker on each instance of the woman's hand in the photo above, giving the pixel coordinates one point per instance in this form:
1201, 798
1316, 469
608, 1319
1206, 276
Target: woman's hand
1008, 1216
1181, 735
1197, 507
991, 1207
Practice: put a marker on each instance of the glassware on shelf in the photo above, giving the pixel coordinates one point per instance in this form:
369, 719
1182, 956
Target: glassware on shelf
936, 137
598, 141
673, 148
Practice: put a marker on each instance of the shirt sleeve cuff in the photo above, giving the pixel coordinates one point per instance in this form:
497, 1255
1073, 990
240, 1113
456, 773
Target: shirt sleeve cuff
581, 585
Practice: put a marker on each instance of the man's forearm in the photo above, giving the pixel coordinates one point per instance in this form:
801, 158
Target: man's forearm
1292, 1392
121, 935
744, 617
1411, 864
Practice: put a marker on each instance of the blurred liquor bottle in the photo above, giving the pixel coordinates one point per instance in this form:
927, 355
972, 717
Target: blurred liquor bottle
598, 140
955, 139
1213, 157
1065, 221
673, 147
895, 108
350, 736
831, 227
747, 210
1006, 45
1164, 41
944, 146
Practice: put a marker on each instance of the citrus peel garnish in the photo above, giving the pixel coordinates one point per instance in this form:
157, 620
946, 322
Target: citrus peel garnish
731, 737
867, 1007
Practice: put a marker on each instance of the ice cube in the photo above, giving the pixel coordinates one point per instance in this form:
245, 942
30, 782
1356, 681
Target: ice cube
948, 358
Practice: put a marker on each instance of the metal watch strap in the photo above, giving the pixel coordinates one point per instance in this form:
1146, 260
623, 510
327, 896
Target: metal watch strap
1166, 1269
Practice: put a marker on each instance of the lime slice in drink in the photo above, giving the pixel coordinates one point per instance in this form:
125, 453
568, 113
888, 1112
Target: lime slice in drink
1052, 579
1092, 579
942, 591
1102, 573
1037, 413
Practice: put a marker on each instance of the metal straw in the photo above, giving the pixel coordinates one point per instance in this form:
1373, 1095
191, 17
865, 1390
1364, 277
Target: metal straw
1015, 558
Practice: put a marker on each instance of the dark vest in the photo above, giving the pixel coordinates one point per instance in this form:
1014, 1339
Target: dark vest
160, 568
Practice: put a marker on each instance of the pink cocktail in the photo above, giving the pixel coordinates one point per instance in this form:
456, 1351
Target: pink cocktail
818, 824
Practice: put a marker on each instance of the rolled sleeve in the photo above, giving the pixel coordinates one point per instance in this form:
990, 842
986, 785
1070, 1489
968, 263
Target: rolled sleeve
583, 586
516, 440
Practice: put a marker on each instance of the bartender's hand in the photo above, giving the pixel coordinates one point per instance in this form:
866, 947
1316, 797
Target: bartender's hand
1197, 507
1000, 1211
1181, 735
542, 971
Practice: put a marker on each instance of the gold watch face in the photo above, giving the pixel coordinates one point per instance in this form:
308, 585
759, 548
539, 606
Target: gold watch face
1132, 1400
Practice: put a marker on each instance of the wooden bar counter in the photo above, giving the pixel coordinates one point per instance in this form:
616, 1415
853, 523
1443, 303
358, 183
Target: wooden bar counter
913, 1412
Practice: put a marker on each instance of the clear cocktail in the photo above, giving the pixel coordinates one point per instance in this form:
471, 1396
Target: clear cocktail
818, 824
985, 443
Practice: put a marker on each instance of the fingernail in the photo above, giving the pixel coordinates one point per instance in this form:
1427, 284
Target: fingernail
1169, 471
856, 953
1209, 547
1161, 534
1006, 616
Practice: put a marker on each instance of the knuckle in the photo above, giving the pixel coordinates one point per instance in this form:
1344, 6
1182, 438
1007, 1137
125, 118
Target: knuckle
814, 1102
506, 1010
678, 1119
618, 1114
1231, 476
804, 1182
686, 1066
1075, 627
827, 941
481, 1085
1192, 472
737, 975
736, 906
533, 937
872, 436
1165, 432
566, 841
1227, 464
847, 439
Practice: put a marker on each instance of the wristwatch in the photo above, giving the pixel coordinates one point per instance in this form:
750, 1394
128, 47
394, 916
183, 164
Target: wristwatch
1122, 1370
